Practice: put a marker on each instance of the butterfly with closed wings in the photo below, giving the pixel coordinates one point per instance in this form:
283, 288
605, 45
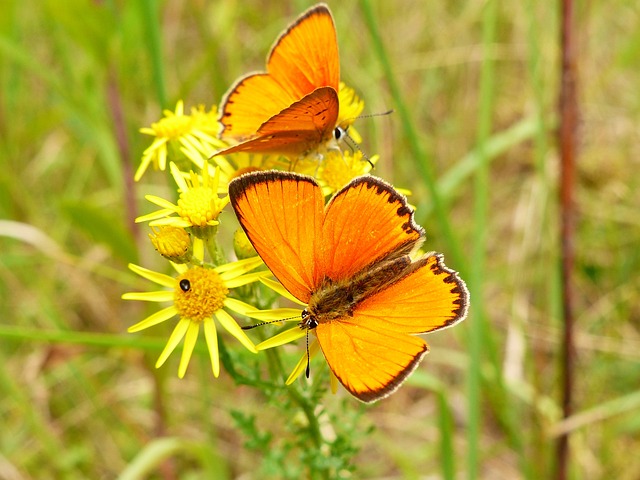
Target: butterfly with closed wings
292, 109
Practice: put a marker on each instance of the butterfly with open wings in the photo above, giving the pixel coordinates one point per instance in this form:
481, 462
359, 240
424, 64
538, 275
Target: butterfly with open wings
352, 263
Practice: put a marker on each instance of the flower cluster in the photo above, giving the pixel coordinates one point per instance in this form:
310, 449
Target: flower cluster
201, 291
211, 280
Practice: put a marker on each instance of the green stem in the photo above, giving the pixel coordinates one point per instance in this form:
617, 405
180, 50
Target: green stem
446, 427
309, 412
211, 242
83, 338
277, 372
150, 17
412, 136
477, 271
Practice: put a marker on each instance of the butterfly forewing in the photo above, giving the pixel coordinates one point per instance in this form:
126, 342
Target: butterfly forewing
280, 213
365, 222
305, 56
249, 103
296, 130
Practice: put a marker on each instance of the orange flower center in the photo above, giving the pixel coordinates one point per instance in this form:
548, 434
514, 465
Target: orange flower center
199, 293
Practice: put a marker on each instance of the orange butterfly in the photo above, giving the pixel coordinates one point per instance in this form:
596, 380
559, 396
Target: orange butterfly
350, 262
292, 109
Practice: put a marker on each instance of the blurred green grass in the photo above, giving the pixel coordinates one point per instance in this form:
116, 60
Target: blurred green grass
79, 398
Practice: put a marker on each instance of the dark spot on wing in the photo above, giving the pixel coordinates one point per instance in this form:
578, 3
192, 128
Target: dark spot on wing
404, 210
408, 227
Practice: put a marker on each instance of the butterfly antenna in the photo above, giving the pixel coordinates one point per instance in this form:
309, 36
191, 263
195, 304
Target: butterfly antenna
308, 370
369, 115
350, 120
349, 139
249, 327
354, 146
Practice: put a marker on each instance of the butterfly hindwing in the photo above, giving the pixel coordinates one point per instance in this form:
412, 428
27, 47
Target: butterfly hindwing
317, 111
372, 351
297, 129
370, 362
428, 296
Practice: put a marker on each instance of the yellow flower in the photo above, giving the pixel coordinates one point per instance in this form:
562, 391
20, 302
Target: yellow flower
291, 334
236, 164
172, 243
351, 107
339, 168
199, 295
199, 128
232, 166
242, 246
198, 206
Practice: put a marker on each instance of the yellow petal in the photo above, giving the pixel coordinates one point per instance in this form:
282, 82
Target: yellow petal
246, 279
278, 288
179, 267
278, 314
155, 145
144, 164
159, 278
174, 340
161, 202
177, 176
234, 269
162, 158
282, 338
211, 336
238, 306
198, 249
162, 296
208, 138
174, 222
155, 215
179, 109
192, 153
225, 165
303, 362
187, 350
230, 325
190, 143
154, 319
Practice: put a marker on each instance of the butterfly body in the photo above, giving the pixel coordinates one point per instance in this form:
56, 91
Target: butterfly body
352, 262
338, 299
